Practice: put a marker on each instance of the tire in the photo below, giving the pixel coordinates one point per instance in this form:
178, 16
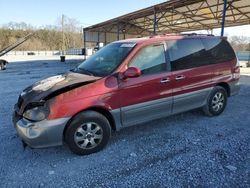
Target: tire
88, 132
216, 102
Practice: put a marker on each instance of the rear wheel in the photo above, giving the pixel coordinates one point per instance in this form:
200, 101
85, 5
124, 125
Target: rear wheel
89, 132
216, 102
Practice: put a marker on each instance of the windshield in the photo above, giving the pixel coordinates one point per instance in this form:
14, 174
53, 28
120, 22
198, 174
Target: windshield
106, 60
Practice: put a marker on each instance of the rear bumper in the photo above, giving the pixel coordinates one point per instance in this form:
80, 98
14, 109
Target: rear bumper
41, 134
234, 87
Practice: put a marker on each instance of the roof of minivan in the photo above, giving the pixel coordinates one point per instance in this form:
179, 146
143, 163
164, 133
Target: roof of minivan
166, 37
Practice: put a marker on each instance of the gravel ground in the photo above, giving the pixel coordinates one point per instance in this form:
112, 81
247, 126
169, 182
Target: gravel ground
185, 150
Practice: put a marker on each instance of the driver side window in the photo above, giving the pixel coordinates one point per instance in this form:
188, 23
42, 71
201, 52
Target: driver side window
150, 60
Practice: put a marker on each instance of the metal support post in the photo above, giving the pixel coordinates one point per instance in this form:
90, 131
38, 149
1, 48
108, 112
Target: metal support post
98, 37
118, 32
223, 17
155, 17
84, 43
105, 38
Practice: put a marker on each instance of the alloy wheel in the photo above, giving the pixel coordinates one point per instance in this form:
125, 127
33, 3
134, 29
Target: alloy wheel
218, 101
88, 135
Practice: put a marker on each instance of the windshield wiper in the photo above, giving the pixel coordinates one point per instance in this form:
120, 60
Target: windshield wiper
84, 71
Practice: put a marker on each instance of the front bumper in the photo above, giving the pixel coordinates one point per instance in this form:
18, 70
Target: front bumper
41, 134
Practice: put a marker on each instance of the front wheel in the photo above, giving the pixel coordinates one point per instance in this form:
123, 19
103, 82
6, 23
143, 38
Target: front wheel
89, 132
216, 102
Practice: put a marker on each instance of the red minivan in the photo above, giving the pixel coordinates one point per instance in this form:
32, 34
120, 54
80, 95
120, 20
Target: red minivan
126, 83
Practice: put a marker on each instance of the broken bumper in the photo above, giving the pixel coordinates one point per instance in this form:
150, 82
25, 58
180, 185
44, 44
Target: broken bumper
41, 134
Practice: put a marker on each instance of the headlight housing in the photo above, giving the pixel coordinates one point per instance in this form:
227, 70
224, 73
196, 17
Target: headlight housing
36, 113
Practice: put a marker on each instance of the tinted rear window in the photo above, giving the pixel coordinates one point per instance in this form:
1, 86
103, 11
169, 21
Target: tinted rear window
187, 53
219, 50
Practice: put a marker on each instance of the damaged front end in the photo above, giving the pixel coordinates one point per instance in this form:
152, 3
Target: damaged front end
30, 116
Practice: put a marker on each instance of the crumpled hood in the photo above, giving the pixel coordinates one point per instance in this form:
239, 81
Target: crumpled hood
53, 86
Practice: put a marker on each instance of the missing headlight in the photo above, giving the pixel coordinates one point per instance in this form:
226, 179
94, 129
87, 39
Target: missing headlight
36, 113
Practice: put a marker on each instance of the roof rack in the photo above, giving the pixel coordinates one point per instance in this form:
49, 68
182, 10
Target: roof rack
191, 34
182, 34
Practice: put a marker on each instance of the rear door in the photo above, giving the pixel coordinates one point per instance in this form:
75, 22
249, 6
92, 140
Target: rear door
192, 73
149, 96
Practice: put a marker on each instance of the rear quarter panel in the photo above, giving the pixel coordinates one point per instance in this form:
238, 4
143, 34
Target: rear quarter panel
225, 72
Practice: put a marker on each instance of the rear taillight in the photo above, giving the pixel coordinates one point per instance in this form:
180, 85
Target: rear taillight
236, 70
237, 63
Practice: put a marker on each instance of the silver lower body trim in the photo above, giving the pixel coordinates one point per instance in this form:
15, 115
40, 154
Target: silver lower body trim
116, 113
41, 134
147, 111
191, 100
234, 87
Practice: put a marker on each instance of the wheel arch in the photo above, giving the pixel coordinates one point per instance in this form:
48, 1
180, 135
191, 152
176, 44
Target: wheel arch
226, 87
100, 110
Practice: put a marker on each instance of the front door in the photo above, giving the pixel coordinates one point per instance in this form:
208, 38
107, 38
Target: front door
149, 96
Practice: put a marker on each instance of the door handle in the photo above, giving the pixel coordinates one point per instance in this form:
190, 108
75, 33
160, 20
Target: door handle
179, 77
164, 80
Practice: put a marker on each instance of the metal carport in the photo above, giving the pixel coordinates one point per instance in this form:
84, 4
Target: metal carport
173, 16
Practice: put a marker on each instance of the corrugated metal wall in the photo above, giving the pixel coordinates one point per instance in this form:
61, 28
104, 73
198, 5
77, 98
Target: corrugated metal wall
95, 37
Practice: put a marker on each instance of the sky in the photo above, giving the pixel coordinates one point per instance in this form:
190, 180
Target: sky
47, 12
87, 12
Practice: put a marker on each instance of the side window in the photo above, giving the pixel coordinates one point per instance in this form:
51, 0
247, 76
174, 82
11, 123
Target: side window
219, 50
150, 60
187, 53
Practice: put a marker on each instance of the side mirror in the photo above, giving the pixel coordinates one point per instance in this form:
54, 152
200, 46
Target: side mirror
132, 72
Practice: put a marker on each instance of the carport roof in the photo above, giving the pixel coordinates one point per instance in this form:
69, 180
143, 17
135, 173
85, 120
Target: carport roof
177, 16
